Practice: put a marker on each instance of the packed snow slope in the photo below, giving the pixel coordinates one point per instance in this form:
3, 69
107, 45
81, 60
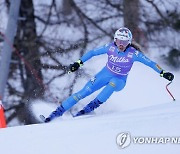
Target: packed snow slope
96, 133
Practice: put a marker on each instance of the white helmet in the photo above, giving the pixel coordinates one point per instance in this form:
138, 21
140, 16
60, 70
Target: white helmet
124, 35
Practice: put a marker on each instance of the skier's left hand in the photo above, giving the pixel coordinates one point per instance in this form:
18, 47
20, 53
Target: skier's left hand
167, 75
74, 67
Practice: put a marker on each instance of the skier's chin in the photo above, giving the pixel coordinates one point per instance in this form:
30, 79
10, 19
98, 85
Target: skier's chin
121, 49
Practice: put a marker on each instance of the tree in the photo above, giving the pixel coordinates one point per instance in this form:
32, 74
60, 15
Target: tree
132, 17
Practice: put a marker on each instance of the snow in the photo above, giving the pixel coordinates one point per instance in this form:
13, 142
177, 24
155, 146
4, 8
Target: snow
96, 134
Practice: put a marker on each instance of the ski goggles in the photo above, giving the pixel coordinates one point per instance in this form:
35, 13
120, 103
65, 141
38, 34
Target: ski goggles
122, 42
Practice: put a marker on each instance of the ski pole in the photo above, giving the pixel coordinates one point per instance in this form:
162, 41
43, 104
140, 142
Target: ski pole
169, 91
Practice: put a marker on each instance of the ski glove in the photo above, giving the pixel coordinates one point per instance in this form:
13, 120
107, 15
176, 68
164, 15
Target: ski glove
74, 67
167, 75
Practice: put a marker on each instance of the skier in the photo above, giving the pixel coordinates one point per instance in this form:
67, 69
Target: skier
121, 56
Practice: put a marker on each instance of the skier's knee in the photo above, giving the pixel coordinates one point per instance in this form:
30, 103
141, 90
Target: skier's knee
112, 84
77, 97
82, 94
117, 85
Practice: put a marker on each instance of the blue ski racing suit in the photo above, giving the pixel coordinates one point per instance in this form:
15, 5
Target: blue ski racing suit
112, 77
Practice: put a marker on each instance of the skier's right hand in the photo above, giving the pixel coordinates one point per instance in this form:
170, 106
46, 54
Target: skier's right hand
75, 66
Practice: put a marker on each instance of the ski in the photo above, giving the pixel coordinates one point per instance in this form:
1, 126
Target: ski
82, 114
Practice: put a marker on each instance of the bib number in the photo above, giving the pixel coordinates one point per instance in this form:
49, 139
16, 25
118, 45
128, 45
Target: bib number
116, 69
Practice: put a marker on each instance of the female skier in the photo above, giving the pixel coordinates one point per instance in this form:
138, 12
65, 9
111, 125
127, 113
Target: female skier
121, 56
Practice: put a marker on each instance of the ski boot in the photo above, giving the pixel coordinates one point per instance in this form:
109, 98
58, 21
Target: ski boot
58, 112
89, 107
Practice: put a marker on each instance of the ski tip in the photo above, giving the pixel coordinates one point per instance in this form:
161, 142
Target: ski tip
42, 118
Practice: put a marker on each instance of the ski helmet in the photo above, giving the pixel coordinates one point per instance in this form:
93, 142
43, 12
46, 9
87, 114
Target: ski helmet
123, 36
